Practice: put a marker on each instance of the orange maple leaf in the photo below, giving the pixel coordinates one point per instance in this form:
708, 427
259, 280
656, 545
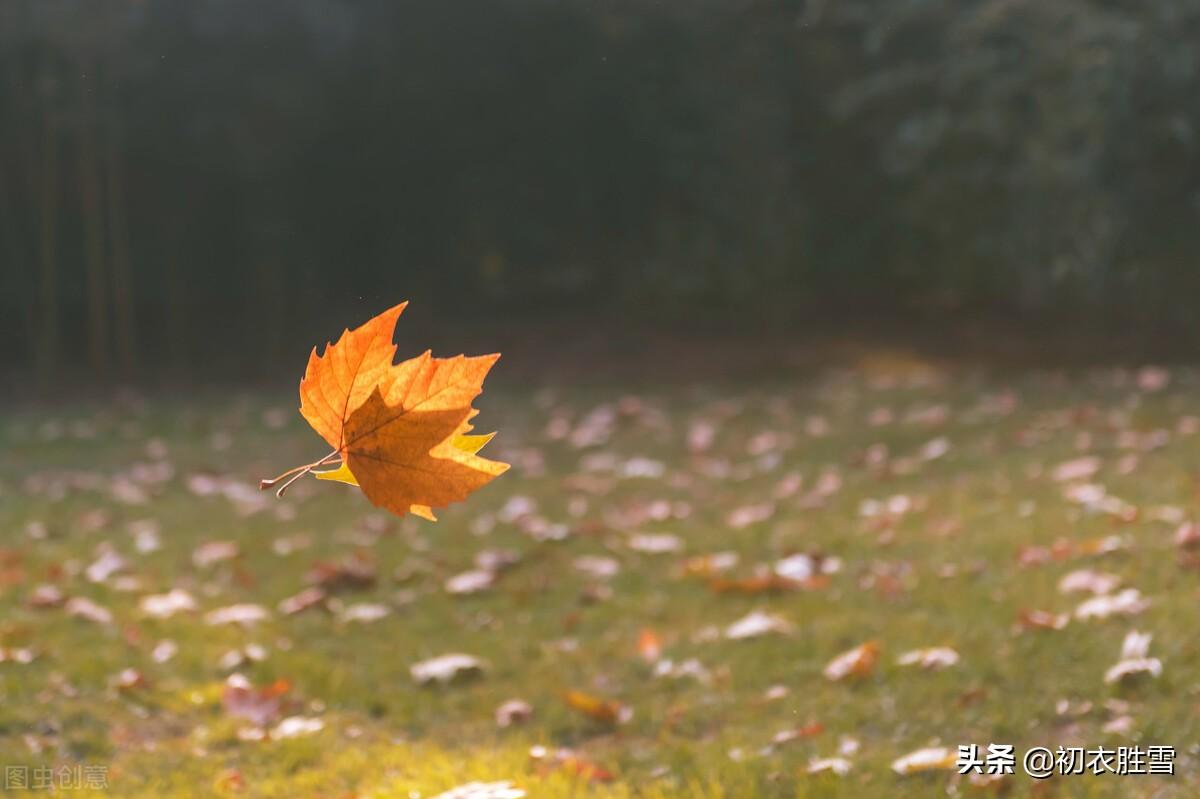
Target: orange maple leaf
400, 430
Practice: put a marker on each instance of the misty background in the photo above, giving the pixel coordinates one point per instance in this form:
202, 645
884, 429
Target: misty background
207, 188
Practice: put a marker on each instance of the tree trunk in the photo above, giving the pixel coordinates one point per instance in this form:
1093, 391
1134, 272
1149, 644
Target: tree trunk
118, 231
92, 210
46, 338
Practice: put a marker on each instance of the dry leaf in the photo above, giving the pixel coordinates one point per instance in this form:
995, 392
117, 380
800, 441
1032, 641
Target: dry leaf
757, 623
470, 582
1041, 620
259, 706
308, 598
164, 606
483, 790
1125, 603
857, 662
447, 668
244, 614
935, 657
570, 762
835, 765
649, 645
1134, 660
1088, 580
297, 727
514, 711
84, 608
608, 711
934, 758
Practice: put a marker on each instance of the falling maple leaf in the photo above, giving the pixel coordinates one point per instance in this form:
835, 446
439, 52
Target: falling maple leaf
400, 431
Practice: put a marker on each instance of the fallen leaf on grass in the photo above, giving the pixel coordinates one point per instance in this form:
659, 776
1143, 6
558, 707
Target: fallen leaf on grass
570, 762
608, 711
934, 657
22, 655
710, 565
787, 736
245, 614
236, 658
1125, 603
803, 567
1041, 620
688, 668
834, 765
1187, 536
229, 781
470, 582
1093, 582
857, 662
767, 583
447, 668
649, 645
84, 608
350, 573
109, 563
1075, 470
1121, 725
297, 727
655, 543
1134, 660
45, 596
308, 598
164, 650
934, 758
750, 514
164, 606
514, 711
211, 553
259, 706
483, 790
128, 680
598, 566
757, 623
363, 612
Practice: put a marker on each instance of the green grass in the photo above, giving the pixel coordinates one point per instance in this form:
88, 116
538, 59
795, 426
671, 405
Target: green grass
945, 573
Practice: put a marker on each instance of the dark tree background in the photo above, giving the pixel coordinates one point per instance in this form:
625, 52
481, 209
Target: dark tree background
197, 183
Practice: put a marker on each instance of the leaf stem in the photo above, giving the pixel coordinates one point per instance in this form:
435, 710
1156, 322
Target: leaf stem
295, 473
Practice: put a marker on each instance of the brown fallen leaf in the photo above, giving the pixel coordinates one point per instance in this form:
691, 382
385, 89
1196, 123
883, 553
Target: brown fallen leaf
934, 657
447, 668
608, 711
259, 706
1134, 659
857, 662
649, 645
483, 790
767, 583
934, 758
1041, 620
1123, 603
350, 573
514, 711
570, 762
757, 623
308, 598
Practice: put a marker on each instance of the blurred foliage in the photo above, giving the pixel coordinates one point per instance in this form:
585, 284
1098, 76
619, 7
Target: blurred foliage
183, 168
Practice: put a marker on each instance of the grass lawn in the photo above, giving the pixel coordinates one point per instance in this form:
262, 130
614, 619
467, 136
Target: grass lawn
935, 506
